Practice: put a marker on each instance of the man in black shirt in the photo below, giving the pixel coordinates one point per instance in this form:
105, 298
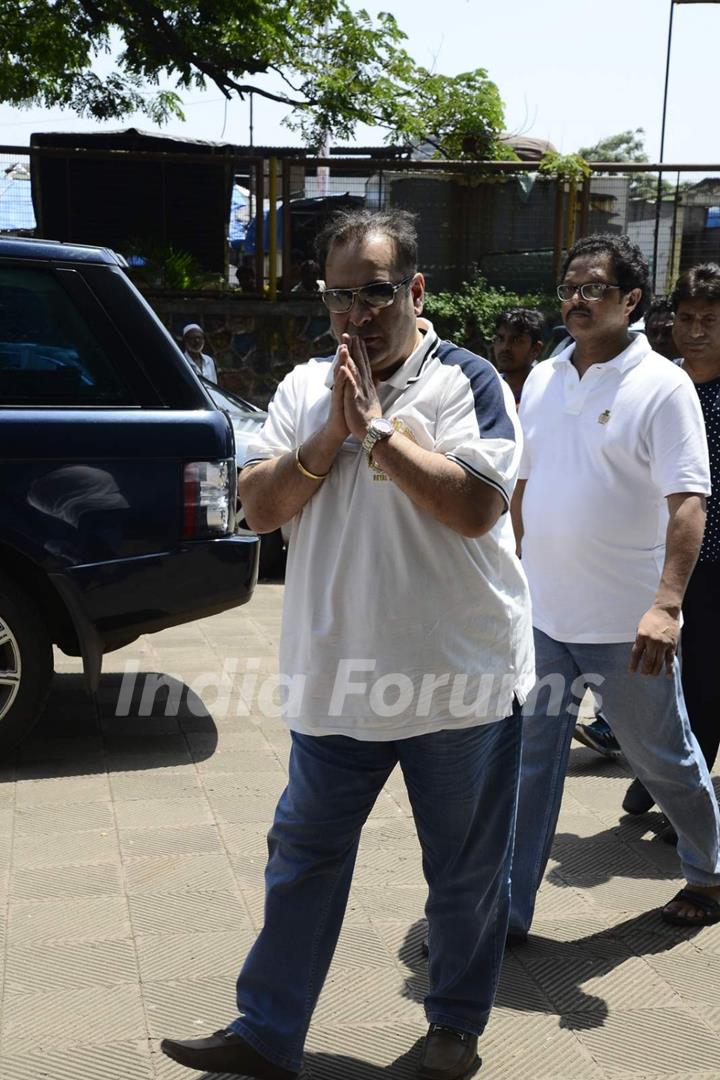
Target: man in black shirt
696, 330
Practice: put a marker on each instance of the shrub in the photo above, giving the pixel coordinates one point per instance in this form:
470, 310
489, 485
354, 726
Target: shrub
467, 316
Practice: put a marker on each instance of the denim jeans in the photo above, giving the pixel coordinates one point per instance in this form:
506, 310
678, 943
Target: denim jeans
462, 787
649, 718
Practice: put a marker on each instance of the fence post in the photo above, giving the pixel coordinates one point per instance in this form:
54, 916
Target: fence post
585, 206
558, 243
259, 225
571, 219
272, 221
287, 228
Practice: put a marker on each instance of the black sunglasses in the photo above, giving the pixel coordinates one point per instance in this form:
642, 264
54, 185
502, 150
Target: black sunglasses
378, 294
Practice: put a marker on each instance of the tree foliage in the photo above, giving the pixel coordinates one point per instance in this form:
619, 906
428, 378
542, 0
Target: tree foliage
625, 146
338, 67
628, 146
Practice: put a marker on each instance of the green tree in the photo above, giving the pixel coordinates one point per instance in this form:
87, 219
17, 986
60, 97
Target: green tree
628, 146
338, 67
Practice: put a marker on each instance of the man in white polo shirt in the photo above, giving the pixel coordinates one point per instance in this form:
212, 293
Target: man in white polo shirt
406, 640
610, 511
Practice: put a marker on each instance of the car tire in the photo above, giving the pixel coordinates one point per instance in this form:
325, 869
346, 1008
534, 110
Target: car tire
26, 663
273, 555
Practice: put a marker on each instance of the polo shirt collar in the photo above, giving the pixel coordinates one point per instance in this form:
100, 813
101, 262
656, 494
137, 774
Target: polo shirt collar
636, 351
411, 369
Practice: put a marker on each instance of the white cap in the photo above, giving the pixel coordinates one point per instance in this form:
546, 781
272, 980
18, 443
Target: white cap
192, 326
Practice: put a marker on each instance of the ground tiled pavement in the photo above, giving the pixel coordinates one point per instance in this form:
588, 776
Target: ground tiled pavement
131, 858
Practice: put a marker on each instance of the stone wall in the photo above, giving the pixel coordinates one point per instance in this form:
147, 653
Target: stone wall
254, 342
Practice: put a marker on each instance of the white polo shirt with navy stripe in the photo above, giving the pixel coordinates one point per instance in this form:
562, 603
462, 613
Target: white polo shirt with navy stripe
602, 454
394, 625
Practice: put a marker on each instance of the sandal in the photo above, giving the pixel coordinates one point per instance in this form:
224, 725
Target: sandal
709, 907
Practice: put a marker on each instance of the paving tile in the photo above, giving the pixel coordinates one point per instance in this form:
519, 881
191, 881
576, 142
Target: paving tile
194, 956
651, 1040
187, 1010
249, 872
365, 1052
694, 975
251, 810
72, 817
186, 873
161, 898
86, 1015
110, 1061
534, 1047
576, 980
89, 918
93, 789
35, 967
190, 840
103, 879
357, 995
244, 764
178, 783
61, 849
155, 813
180, 913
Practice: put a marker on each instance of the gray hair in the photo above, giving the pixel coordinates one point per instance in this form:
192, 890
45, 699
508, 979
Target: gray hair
354, 226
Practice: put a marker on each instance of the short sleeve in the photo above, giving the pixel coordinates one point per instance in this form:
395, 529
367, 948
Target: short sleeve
278, 434
524, 469
477, 422
679, 459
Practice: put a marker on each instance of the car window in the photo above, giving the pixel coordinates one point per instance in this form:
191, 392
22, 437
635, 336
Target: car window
48, 353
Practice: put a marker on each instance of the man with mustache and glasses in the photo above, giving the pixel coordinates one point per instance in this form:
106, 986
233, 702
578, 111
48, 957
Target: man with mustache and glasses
610, 510
406, 620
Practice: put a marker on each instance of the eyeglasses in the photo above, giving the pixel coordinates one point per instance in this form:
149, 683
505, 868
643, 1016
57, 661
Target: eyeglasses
378, 294
591, 290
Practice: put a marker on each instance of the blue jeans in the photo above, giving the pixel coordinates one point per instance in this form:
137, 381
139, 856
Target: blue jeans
462, 787
649, 718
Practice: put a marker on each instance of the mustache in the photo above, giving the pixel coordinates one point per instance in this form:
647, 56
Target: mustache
577, 311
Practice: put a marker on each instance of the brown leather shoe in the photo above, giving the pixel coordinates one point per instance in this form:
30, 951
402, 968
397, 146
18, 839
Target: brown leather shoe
448, 1054
224, 1052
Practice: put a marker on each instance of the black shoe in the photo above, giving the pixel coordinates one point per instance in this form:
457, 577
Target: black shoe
638, 799
224, 1052
598, 737
448, 1054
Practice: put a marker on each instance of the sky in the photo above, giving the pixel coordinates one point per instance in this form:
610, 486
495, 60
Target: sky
571, 71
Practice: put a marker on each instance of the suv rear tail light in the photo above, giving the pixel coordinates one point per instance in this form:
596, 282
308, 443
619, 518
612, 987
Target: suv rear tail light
209, 498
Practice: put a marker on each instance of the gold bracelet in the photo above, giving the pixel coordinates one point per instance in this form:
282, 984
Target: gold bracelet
306, 472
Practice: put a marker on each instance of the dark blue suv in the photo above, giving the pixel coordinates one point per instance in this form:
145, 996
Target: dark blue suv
117, 473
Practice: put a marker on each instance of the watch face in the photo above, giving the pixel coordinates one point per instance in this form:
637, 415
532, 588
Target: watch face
381, 427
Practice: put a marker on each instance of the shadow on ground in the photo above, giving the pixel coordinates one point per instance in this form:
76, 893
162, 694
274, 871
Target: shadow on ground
147, 722
322, 1066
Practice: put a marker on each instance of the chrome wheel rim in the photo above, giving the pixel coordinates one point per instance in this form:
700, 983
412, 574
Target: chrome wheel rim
10, 668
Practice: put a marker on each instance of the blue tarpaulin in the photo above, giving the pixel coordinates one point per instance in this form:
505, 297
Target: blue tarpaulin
16, 208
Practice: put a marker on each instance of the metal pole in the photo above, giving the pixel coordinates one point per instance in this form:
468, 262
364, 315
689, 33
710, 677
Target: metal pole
272, 222
558, 236
658, 199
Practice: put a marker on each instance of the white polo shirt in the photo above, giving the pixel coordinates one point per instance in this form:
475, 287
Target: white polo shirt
394, 625
601, 455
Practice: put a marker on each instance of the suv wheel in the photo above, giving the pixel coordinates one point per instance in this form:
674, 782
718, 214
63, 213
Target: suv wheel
26, 663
